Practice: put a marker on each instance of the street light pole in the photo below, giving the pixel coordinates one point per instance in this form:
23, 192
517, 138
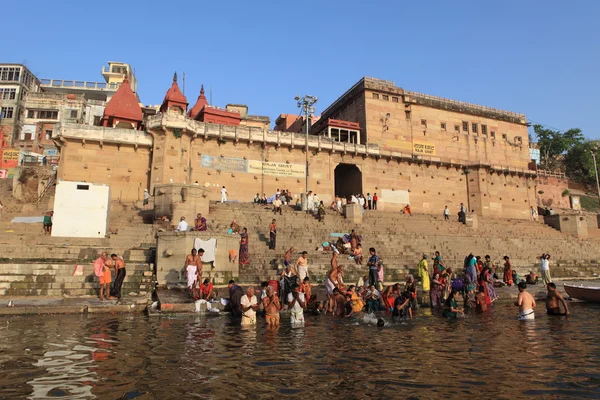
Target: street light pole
306, 104
596, 171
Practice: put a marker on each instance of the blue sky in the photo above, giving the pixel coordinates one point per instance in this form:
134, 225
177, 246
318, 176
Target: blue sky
536, 57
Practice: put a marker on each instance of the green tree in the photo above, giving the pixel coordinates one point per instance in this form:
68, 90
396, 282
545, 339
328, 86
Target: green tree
578, 162
553, 144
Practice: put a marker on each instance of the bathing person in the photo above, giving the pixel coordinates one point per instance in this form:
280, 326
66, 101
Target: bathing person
525, 302
553, 301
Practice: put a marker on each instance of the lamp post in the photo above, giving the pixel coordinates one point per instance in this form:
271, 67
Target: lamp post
596, 172
306, 104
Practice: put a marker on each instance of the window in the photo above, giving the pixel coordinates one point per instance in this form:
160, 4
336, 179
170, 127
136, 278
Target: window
386, 97
73, 113
48, 134
394, 99
8, 94
465, 126
457, 128
484, 130
504, 136
407, 112
42, 114
97, 120
493, 135
474, 127
443, 126
376, 96
6, 112
424, 123
10, 74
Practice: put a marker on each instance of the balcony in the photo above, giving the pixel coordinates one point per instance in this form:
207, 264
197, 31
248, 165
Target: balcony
79, 85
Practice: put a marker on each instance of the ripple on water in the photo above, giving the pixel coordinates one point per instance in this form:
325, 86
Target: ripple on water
103, 356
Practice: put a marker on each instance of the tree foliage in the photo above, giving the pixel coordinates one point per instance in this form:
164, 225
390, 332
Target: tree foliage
578, 162
554, 144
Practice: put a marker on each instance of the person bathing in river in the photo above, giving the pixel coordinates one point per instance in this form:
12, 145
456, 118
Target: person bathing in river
525, 302
553, 301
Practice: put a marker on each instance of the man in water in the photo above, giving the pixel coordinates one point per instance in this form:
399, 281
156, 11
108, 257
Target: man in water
339, 301
249, 305
373, 299
302, 266
296, 305
553, 300
272, 306
525, 302
402, 308
331, 283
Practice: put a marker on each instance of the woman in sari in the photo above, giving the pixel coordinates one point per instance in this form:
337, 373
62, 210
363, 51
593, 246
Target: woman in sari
235, 227
357, 303
200, 223
244, 254
488, 284
479, 264
438, 263
508, 279
446, 281
435, 295
483, 287
411, 289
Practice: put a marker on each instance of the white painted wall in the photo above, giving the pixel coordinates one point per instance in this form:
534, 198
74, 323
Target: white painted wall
79, 212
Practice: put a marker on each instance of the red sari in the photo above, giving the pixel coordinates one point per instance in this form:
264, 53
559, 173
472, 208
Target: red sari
508, 273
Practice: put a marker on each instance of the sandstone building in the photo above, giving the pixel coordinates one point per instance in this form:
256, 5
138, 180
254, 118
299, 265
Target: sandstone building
376, 138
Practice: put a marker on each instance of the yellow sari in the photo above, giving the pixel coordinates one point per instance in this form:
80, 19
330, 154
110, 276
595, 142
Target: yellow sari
357, 303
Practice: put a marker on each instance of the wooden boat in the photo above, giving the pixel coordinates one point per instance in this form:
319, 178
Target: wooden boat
586, 293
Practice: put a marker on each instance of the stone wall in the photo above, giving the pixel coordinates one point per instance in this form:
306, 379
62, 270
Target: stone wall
119, 158
410, 127
182, 147
552, 189
173, 248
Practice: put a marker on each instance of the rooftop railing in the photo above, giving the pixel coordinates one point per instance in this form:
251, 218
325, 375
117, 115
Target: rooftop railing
83, 85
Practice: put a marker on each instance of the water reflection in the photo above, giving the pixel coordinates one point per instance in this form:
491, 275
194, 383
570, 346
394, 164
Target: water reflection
490, 355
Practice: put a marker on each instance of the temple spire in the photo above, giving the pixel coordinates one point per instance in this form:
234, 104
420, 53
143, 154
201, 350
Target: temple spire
175, 77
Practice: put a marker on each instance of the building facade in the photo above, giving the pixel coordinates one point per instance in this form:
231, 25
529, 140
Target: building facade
407, 147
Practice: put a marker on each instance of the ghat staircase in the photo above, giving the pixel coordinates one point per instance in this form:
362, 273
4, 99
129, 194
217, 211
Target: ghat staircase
32, 263
401, 241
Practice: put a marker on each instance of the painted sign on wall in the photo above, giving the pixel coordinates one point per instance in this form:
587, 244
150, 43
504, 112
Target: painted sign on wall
424, 148
51, 152
224, 163
254, 167
10, 158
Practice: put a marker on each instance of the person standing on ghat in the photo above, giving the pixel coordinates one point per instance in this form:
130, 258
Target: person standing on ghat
273, 235
375, 199
302, 266
120, 273
545, 267
223, 195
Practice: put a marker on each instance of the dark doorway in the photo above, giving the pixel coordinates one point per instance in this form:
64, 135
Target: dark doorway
348, 180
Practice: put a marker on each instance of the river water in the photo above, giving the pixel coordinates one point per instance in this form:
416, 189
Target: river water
187, 356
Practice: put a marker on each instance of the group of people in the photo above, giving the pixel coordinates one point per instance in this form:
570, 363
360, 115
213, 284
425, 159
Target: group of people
367, 202
103, 269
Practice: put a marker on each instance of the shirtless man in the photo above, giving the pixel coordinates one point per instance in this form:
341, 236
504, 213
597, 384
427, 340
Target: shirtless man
192, 261
331, 283
302, 266
272, 306
287, 257
525, 302
553, 301
119, 275
339, 301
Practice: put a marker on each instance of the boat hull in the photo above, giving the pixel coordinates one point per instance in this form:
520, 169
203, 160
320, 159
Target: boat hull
590, 294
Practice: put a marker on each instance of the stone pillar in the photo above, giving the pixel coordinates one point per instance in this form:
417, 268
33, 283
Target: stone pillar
354, 213
471, 220
174, 201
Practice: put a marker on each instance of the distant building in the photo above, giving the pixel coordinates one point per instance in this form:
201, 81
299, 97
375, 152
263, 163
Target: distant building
15, 81
292, 123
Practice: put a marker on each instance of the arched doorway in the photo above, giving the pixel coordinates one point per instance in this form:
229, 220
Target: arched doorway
348, 180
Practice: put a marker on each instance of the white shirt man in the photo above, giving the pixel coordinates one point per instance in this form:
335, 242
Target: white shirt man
361, 201
310, 202
182, 226
545, 266
296, 311
223, 194
316, 200
463, 208
354, 200
248, 316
